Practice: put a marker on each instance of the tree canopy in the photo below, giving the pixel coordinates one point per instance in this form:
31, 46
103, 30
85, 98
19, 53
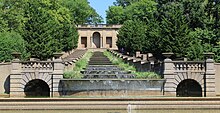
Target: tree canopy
187, 28
44, 26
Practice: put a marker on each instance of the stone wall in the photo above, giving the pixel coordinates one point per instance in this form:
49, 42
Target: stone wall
112, 87
5, 70
51, 72
86, 36
217, 78
202, 72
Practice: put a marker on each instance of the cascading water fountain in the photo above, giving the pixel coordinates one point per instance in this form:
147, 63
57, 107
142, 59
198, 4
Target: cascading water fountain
102, 78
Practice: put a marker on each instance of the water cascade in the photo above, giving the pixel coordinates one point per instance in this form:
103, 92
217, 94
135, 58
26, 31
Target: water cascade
102, 78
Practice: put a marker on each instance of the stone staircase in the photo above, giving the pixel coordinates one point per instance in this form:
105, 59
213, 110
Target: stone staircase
77, 54
100, 67
73, 57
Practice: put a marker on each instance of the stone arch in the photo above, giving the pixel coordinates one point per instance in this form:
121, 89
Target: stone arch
44, 77
96, 40
189, 88
37, 88
181, 76
197, 76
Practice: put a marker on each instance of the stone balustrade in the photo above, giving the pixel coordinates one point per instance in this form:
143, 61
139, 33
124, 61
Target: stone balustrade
189, 65
37, 65
140, 62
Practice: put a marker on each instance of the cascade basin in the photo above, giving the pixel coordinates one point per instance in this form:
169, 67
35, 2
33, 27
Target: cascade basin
111, 87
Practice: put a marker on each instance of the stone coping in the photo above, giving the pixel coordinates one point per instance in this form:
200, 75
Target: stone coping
113, 79
5, 63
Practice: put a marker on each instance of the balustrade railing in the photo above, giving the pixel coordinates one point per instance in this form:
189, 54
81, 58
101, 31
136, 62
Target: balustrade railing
37, 65
189, 65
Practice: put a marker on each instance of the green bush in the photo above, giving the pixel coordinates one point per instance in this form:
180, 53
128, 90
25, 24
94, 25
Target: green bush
147, 75
73, 74
11, 42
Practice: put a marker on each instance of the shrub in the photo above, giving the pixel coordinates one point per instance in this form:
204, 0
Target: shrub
11, 42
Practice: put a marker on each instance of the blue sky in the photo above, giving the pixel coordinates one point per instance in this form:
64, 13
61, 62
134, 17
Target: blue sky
101, 6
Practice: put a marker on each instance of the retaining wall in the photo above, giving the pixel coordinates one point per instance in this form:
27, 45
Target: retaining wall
5, 70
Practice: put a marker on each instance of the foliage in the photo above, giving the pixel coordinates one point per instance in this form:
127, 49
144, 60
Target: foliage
79, 66
131, 36
186, 27
174, 29
131, 10
115, 15
142, 10
48, 26
124, 3
82, 12
70, 74
12, 15
147, 75
11, 42
139, 75
202, 41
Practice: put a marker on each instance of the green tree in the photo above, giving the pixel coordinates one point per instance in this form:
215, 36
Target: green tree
131, 36
12, 15
82, 12
202, 41
48, 29
115, 15
138, 9
195, 12
124, 3
143, 10
174, 29
11, 42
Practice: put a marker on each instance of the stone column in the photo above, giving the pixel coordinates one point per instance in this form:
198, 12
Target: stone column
79, 42
209, 76
16, 88
57, 76
91, 42
104, 41
169, 89
101, 39
88, 42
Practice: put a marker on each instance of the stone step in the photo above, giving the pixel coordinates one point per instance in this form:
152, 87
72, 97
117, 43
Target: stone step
114, 71
103, 67
108, 76
100, 63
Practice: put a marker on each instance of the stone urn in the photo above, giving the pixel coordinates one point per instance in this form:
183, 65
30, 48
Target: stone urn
16, 55
168, 55
208, 55
57, 55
